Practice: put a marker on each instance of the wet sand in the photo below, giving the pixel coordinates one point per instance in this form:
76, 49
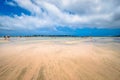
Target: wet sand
59, 60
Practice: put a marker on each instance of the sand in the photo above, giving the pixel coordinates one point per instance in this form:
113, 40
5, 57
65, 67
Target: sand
59, 60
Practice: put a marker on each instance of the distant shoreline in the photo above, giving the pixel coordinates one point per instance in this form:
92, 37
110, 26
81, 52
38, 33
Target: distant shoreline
62, 36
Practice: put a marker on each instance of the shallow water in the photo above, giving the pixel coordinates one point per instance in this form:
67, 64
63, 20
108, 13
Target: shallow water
99, 40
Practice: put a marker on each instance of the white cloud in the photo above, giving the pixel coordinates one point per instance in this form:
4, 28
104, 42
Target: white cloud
29, 5
71, 13
24, 21
10, 3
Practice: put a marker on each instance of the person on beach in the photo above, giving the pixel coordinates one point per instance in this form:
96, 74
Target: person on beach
6, 37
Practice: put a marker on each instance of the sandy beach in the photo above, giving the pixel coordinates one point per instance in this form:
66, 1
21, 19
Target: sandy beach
60, 59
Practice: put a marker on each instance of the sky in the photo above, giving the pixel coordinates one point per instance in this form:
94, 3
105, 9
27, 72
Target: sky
60, 17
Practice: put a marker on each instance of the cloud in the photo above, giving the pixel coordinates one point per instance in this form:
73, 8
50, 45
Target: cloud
25, 21
74, 14
10, 3
28, 5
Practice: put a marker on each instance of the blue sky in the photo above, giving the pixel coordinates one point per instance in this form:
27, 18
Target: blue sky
60, 17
